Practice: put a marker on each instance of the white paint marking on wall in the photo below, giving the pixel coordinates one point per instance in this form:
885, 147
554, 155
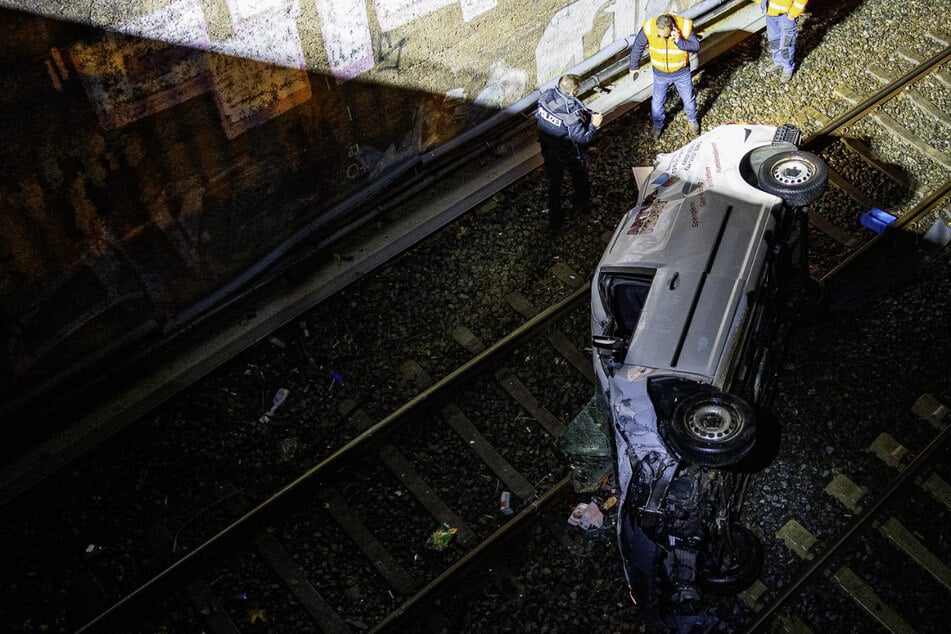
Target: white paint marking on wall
265, 31
250, 94
347, 40
475, 8
562, 46
247, 94
625, 19
505, 85
657, 7
624, 24
395, 13
182, 23
242, 10
269, 37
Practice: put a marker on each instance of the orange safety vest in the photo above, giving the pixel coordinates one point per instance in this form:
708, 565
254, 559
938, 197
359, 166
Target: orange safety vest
665, 56
782, 7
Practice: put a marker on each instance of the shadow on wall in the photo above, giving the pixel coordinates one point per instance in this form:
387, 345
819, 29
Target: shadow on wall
138, 176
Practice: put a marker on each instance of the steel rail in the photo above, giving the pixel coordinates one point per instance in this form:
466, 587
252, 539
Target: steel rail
822, 136
923, 208
353, 447
849, 533
471, 558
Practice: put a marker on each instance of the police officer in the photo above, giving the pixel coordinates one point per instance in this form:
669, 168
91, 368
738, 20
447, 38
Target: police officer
565, 128
782, 29
669, 39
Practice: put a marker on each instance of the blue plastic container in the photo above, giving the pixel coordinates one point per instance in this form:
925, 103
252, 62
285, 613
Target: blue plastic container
877, 219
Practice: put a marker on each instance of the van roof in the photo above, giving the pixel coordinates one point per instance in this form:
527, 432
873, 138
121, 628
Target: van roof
698, 229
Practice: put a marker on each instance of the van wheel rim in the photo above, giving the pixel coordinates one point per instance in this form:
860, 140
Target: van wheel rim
793, 171
713, 422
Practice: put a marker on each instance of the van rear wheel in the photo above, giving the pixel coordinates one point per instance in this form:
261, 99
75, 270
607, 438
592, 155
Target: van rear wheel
711, 429
732, 561
798, 177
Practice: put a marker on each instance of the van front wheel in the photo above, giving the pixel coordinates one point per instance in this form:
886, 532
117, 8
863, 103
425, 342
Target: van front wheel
798, 177
711, 429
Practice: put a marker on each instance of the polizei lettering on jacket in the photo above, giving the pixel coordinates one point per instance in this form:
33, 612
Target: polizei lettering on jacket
549, 117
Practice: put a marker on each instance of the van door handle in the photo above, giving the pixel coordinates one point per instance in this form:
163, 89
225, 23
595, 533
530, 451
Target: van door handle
674, 280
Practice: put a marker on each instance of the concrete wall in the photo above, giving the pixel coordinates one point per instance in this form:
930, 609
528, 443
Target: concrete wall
153, 149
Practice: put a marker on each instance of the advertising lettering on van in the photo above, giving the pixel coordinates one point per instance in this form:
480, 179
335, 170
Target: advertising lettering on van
716, 157
694, 218
646, 218
675, 158
709, 176
690, 155
700, 190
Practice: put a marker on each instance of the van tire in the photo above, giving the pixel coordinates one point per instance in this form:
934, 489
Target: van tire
732, 567
711, 429
798, 177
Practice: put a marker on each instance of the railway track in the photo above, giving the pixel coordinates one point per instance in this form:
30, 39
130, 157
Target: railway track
387, 565
914, 173
343, 479
112, 393
889, 559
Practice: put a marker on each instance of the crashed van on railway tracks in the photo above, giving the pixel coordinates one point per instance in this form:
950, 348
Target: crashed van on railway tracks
690, 306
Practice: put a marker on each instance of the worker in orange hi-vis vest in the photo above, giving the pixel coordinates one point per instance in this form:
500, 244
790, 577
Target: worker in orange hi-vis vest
669, 40
782, 29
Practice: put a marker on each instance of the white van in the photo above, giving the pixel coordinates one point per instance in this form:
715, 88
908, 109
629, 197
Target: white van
689, 305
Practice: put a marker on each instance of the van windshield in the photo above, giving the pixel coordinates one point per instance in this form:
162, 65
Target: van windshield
625, 296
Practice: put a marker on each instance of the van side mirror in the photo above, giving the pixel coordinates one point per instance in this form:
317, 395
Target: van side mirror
607, 343
610, 350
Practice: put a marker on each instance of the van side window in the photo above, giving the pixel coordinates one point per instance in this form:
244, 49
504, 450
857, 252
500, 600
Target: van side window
626, 296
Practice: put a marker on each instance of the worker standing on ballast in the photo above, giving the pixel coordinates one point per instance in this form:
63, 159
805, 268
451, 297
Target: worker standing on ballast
669, 39
782, 30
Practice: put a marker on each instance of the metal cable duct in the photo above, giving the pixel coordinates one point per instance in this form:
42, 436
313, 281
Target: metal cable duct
584, 69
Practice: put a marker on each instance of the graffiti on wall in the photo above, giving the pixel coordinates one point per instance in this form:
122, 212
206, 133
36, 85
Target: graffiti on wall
393, 14
250, 94
172, 57
347, 40
561, 45
165, 63
505, 85
345, 26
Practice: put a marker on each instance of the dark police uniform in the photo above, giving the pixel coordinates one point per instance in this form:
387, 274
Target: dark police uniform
564, 131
